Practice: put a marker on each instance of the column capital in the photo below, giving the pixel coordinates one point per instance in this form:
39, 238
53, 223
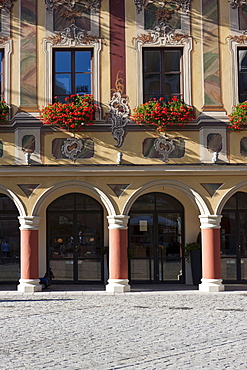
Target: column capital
118, 222
210, 221
29, 222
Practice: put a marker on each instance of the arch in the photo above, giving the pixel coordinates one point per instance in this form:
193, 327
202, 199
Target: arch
69, 186
15, 199
228, 195
185, 189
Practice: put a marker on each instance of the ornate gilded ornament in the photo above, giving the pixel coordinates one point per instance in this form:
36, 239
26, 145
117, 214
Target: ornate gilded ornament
3, 39
6, 5
162, 31
72, 147
54, 4
118, 111
181, 4
74, 33
242, 39
164, 147
237, 3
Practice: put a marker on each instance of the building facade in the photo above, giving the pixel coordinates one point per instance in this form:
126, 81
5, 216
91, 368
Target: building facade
116, 186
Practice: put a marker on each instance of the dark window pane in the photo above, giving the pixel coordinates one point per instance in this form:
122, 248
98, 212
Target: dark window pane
145, 202
152, 61
84, 202
172, 60
242, 200
243, 146
231, 203
6, 204
243, 83
83, 83
172, 84
63, 84
242, 13
166, 202
152, 84
63, 61
65, 203
83, 61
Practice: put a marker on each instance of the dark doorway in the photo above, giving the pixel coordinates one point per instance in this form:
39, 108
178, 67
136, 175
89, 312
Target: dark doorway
156, 239
9, 241
75, 238
234, 239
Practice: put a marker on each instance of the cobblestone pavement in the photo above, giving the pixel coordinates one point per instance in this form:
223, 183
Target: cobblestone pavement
148, 329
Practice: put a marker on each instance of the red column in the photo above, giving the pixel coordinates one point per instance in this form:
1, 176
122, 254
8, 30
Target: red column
29, 281
118, 257
211, 267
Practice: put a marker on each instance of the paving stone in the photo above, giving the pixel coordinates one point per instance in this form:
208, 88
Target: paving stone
141, 330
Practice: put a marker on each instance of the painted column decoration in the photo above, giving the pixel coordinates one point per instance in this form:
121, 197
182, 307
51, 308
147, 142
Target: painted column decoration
28, 56
29, 281
118, 255
211, 56
211, 269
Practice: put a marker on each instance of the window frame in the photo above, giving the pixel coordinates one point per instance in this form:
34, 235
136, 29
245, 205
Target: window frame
162, 72
73, 71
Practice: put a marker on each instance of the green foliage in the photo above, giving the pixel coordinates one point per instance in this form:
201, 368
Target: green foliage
238, 118
162, 114
195, 246
4, 110
79, 110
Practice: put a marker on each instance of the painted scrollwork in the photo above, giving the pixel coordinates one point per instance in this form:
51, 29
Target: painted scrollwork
118, 111
72, 147
73, 33
6, 5
164, 146
237, 3
183, 4
164, 31
54, 4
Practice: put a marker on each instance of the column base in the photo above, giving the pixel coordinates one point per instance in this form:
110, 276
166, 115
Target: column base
118, 286
211, 285
29, 286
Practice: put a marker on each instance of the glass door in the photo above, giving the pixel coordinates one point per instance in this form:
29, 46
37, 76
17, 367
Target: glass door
234, 239
155, 240
75, 239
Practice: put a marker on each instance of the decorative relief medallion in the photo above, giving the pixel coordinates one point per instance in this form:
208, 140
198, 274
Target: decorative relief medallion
118, 111
6, 5
72, 33
183, 4
72, 147
54, 4
28, 189
118, 189
164, 146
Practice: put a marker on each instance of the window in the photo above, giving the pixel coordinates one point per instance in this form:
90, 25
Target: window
72, 72
1, 75
162, 73
242, 74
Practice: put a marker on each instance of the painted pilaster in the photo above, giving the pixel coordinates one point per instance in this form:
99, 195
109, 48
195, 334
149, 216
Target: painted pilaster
29, 281
117, 41
211, 270
211, 56
28, 56
118, 257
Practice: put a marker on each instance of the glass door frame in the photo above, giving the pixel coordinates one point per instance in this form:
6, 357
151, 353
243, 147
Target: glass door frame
155, 233
75, 237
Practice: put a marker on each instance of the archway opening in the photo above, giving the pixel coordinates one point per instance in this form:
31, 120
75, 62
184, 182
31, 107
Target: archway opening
234, 239
75, 239
9, 241
156, 239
